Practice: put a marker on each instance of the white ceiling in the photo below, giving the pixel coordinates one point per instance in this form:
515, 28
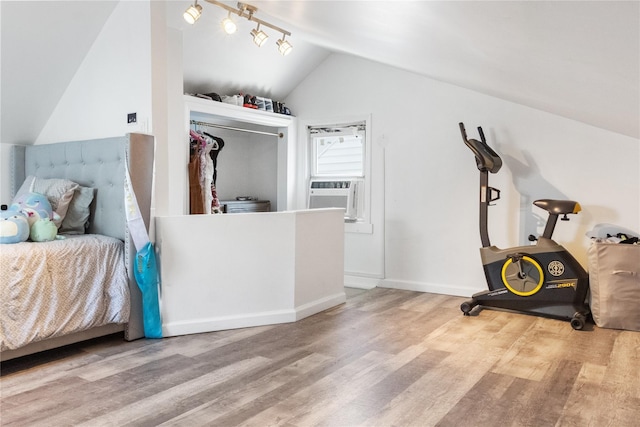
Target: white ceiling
577, 59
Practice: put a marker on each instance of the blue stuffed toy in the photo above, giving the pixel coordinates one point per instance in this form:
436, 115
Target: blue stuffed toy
30, 215
14, 227
35, 206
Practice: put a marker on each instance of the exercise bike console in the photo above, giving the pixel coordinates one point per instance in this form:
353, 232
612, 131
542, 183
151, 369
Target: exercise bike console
543, 279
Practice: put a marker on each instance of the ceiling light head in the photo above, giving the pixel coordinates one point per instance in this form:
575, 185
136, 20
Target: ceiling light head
228, 25
259, 36
284, 47
192, 14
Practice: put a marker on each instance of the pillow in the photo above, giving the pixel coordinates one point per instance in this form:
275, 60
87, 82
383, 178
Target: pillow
77, 218
59, 192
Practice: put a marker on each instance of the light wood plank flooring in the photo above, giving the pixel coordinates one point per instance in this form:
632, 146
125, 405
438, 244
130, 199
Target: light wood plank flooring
385, 358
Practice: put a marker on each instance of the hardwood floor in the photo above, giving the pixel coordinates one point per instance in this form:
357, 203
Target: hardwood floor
385, 358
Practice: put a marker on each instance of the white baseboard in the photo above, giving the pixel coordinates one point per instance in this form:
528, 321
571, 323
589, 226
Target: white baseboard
248, 320
434, 288
319, 305
360, 282
212, 324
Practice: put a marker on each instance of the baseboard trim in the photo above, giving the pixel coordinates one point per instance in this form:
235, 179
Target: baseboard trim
360, 282
319, 305
434, 288
248, 320
212, 324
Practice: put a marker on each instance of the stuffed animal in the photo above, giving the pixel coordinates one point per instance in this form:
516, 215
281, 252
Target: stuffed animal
36, 210
35, 206
43, 230
14, 227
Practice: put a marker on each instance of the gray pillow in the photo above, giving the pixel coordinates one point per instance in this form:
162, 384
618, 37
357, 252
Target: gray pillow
76, 220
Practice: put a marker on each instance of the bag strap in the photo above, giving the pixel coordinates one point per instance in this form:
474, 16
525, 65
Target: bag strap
135, 222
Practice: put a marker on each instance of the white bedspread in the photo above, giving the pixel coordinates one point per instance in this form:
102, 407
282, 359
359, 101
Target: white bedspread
51, 289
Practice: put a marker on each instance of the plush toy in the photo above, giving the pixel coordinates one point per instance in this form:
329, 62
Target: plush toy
36, 210
14, 227
35, 206
43, 230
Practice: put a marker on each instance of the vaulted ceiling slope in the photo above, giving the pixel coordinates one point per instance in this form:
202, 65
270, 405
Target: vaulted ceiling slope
576, 59
43, 44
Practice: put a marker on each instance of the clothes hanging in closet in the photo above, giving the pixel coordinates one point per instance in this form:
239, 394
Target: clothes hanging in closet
202, 173
214, 155
196, 195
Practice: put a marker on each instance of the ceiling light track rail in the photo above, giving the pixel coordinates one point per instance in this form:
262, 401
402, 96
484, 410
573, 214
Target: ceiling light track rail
247, 11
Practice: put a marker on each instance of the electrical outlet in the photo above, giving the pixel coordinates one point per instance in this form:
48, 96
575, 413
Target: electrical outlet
132, 118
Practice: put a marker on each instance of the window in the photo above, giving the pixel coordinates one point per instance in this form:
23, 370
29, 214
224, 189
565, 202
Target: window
338, 151
338, 164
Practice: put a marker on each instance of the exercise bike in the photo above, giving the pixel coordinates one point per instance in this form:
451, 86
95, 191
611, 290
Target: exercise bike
541, 279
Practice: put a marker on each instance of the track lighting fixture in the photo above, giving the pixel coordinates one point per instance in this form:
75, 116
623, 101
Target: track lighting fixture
259, 36
192, 14
284, 47
228, 25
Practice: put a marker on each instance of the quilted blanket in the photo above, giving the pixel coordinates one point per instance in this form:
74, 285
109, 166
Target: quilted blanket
51, 289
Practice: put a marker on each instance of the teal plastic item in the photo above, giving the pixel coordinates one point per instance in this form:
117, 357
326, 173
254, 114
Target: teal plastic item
146, 274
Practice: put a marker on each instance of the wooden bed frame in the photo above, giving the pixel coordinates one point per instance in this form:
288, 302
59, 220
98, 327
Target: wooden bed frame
98, 164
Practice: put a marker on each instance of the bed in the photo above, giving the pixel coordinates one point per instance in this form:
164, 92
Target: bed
99, 165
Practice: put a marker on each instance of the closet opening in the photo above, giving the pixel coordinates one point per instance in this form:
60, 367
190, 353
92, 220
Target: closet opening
236, 165
255, 168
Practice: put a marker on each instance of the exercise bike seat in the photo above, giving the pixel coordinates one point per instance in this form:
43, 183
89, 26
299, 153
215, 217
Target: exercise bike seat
558, 207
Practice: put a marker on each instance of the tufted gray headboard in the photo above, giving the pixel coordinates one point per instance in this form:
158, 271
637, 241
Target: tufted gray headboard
98, 164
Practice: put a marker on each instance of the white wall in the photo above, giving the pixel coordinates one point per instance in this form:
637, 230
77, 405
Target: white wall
247, 166
5, 190
170, 196
426, 182
113, 80
5, 174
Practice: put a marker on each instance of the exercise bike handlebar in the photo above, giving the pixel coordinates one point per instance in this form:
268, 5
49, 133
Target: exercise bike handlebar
486, 159
482, 138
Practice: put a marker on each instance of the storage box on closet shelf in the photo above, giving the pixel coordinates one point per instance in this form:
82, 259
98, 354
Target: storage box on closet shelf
250, 101
233, 99
265, 104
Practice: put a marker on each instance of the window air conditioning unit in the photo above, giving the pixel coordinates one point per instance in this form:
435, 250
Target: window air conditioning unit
335, 194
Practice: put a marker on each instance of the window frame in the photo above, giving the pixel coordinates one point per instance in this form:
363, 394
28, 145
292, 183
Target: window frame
363, 223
